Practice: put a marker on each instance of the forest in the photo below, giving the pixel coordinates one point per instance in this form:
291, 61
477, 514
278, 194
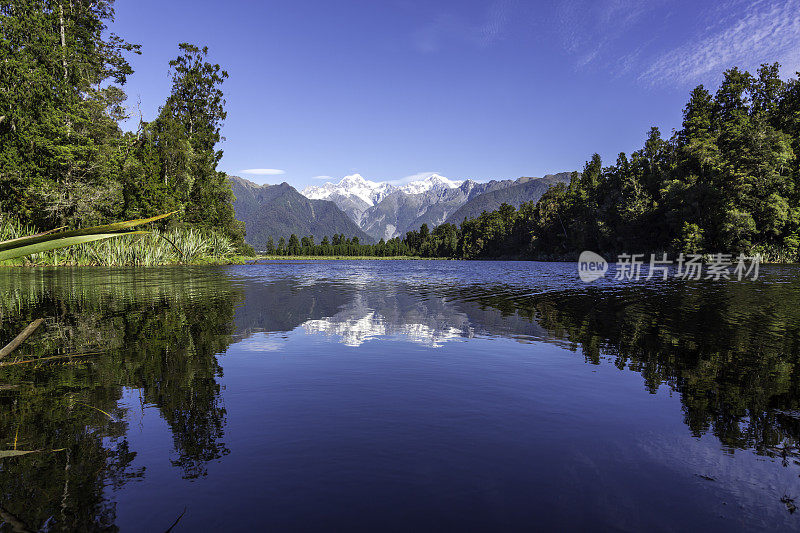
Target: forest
726, 182
65, 158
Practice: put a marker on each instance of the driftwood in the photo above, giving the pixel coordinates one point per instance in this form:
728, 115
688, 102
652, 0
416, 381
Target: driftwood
19, 339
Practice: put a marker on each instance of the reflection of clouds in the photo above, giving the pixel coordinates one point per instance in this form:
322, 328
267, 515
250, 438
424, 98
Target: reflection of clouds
354, 331
401, 303
738, 478
259, 342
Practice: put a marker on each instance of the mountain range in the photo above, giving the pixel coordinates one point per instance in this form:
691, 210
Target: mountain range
518, 192
385, 211
279, 210
371, 210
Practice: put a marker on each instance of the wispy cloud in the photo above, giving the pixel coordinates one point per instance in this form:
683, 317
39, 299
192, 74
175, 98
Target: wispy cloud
454, 27
589, 29
496, 21
263, 171
322, 178
413, 177
766, 31
657, 43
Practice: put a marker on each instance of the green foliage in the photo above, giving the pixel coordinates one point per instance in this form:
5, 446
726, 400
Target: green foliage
33, 244
179, 245
726, 182
64, 160
690, 240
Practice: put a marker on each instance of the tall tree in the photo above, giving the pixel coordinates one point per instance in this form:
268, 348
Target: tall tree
188, 130
61, 150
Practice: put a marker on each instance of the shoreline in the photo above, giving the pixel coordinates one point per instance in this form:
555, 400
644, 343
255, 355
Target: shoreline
344, 258
229, 261
265, 259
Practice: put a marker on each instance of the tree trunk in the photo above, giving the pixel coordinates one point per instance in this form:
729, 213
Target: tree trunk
64, 54
63, 39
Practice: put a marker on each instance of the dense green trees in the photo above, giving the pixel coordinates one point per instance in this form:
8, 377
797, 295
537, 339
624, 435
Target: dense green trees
60, 147
338, 245
65, 161
727, 181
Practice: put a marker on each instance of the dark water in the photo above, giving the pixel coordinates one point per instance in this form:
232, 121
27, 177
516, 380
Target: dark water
399, 396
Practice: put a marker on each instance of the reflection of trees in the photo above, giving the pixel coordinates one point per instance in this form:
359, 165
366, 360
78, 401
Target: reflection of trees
160, 331
729, 349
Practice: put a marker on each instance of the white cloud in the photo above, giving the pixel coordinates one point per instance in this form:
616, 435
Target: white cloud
322, 178
767, 31
263, 171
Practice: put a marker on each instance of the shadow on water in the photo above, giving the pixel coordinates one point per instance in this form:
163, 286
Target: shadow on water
730, 350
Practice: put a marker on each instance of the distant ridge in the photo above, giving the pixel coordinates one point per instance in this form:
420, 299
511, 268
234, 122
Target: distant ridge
355, 195
279, 210
384, 210
523, 190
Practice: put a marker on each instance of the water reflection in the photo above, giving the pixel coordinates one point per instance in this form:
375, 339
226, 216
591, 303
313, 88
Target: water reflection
729, 350
157, 332
353, 313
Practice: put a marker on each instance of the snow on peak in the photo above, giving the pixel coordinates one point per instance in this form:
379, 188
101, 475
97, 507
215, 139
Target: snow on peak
353, 185
373, 192
354, 180
432, 182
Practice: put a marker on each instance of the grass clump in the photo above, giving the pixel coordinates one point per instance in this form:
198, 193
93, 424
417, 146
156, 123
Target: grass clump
157, 247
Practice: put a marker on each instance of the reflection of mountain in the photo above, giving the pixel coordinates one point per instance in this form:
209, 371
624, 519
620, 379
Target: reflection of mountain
358, 313
368, 318
354, 331
714, 344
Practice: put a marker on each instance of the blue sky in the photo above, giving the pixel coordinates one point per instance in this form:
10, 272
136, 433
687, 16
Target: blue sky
470, 89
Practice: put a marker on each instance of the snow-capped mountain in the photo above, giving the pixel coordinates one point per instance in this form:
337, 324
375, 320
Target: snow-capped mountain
384, 210
372, 192
355, 195
353, 186
434, 182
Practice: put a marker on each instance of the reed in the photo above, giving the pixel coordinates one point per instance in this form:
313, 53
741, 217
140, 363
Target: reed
153, 248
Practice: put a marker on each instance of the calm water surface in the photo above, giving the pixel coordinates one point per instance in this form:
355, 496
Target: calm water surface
398, 396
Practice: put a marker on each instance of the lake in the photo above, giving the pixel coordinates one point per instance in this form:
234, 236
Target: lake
398, 396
